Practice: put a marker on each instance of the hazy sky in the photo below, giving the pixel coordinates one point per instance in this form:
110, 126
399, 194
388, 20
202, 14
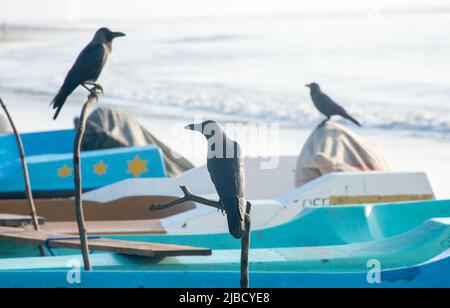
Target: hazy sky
30, 10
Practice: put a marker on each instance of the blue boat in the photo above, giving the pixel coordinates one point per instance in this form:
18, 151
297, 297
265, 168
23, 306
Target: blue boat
434, 273
313, 227
49, 158
382, 245
418, 258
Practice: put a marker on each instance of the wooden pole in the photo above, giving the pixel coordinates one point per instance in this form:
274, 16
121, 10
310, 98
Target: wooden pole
245, 247
245, 240
92, 99
26, 175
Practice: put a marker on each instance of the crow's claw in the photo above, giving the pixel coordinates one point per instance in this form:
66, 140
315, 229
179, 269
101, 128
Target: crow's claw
97, 88
322, 124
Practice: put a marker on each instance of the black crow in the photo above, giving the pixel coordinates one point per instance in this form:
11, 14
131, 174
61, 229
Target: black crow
225, 165
326, 105
87, 67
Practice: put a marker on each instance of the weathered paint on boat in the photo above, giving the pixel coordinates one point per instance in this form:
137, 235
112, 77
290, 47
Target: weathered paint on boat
49, 158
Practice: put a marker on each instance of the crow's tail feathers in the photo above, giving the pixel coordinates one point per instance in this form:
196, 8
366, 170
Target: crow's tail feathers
58, 102
56, 105
349, 117
60, 99
235, 209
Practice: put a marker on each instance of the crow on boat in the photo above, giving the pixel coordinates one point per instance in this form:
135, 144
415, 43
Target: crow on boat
326, 105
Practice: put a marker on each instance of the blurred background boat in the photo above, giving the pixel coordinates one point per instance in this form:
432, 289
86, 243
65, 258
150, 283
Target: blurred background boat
50, 154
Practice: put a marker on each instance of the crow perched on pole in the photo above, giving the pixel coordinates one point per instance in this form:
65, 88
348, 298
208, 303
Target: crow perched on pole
226, 169
326, 105
87, 67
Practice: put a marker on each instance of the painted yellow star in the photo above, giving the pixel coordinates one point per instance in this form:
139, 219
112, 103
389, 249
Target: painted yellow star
100, 168
65, 171
137, 166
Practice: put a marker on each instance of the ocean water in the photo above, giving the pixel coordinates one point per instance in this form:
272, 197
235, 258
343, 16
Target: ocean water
389, 68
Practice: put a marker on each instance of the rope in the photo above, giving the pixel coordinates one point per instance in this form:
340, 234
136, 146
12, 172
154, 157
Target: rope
48, 240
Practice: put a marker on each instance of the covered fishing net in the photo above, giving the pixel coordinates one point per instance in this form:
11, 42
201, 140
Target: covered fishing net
333, 148
108, 128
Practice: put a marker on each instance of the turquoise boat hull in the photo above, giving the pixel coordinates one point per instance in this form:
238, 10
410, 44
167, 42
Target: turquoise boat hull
322, 226
313, 227
49, 159
408, 243
408, 249
419, 258
430, 275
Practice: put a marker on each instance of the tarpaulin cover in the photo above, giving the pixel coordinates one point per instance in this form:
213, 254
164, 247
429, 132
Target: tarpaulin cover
108, 128
332, 148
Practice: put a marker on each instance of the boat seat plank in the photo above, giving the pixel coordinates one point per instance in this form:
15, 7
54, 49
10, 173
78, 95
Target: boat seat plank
144, 249
12, 220
146, 226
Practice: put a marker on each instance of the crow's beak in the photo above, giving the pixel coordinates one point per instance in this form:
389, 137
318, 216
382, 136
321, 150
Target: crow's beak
190, 127
308, 85
118, 34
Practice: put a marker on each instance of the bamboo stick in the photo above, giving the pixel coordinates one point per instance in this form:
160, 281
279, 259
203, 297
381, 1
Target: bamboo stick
92, 99
26, 175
